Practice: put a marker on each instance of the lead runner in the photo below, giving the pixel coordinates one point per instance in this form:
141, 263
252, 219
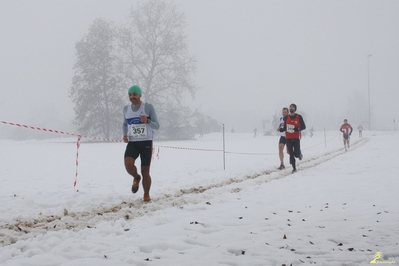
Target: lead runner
139, 123
293, 125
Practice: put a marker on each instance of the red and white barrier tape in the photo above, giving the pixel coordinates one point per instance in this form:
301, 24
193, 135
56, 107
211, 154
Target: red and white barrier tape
64, 133
58, 131
112, 140
183, 148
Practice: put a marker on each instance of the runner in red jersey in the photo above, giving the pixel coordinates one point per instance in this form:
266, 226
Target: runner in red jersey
293, 125
346, 129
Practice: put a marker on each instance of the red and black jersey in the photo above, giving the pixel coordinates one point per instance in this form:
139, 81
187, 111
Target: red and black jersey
346, 129
293, 124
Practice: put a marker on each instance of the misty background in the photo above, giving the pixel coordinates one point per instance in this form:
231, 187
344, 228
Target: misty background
253, 58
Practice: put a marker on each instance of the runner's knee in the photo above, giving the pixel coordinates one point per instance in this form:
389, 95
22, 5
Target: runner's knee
129, 162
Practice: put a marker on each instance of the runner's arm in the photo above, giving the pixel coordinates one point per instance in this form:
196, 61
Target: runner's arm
150, 110
284, 128
302, 123
124, 124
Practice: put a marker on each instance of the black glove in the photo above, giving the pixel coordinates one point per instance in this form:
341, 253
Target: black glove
282, 130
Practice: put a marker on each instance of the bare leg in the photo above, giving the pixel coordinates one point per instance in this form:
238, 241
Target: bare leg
281, 152
130, 167
145, 171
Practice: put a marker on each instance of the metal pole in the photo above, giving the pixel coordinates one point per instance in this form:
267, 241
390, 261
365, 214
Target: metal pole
224, 152
368, 84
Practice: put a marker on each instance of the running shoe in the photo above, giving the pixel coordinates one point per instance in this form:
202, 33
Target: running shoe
136, 184
281, 167
146, 198
294, 171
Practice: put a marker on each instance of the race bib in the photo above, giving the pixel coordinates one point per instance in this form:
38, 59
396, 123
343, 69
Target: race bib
290, 128
137, 130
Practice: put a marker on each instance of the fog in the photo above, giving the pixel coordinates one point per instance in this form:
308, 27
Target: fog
254, 57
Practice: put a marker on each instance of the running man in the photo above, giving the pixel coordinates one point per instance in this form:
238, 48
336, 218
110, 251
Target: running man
282, 141
293, 125
139, 123
346, 129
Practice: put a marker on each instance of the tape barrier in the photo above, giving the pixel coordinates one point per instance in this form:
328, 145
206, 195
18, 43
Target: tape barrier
63, 133
113, 140
58, 131
158, 146
184, 148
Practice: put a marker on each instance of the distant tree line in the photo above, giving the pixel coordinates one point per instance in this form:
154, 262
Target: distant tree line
151, 51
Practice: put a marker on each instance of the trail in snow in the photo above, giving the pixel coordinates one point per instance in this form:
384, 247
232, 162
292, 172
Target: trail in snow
21, 229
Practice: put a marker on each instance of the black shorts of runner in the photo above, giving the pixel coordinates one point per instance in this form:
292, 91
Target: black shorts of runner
346, 137
282, 140
142, 148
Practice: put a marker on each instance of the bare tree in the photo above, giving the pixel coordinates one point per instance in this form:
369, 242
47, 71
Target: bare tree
154, 55
96, 86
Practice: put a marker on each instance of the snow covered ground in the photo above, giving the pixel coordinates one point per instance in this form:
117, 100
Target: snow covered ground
340, 208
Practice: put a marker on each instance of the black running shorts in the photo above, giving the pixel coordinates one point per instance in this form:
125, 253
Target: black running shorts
282, 140
142, 148
346, 137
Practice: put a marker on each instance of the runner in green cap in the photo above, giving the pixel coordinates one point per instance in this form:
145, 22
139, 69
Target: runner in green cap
139, 123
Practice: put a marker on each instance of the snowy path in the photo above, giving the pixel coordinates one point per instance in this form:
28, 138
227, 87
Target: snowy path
27, 228
339, 209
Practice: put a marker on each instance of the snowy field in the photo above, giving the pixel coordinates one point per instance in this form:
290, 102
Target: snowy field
340, 208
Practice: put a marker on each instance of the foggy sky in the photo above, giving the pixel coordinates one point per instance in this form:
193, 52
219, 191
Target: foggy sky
254, 57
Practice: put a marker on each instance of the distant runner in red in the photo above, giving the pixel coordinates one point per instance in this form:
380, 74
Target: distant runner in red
346, 129
293, 125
